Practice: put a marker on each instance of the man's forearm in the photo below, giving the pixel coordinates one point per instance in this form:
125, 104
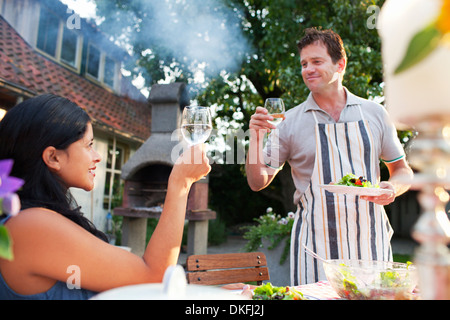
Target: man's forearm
399, 180
259, 175
400, 176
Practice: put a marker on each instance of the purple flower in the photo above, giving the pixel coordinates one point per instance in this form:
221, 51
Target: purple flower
11, 204
8, 184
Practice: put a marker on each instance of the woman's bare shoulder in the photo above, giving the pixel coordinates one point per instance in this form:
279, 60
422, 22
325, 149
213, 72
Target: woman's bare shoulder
35, 213
38, 218
40, 226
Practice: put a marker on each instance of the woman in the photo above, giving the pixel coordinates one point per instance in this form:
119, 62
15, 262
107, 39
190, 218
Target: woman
50, 140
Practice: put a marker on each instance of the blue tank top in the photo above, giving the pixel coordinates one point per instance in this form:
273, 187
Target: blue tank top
59, 291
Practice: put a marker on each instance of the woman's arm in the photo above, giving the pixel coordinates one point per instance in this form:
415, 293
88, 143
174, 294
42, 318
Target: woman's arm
49, 247
164, 246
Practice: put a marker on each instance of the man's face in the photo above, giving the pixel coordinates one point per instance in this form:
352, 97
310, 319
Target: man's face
318, 70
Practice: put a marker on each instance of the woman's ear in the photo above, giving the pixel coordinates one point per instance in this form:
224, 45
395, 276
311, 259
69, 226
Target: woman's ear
51, 159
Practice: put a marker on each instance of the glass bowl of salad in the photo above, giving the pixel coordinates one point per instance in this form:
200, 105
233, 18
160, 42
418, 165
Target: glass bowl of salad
371, 280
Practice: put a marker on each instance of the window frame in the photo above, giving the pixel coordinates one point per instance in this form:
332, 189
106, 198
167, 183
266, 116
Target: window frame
101, 67
88, 54
59, 42
113, 171
78, 50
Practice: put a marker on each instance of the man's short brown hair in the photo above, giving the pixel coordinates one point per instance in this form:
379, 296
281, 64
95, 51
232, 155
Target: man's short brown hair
329, 38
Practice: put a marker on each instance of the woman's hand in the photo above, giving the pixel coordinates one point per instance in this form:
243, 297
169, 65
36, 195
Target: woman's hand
192, 165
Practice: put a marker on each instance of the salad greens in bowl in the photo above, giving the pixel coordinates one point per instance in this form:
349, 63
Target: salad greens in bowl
371, 280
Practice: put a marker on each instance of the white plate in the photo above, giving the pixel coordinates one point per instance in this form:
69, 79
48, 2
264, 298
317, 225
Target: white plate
155, 291
357, 191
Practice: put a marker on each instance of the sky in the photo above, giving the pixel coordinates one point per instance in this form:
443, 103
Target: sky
85, 8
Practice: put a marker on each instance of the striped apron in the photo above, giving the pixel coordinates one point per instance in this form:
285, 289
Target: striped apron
339, 226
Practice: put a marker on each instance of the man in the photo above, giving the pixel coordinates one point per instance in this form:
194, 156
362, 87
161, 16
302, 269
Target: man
331, 134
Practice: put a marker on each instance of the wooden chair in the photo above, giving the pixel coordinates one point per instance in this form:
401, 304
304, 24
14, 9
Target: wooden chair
215, 269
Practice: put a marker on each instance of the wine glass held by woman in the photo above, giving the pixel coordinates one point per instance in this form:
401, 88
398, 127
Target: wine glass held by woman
196, 124
50, 140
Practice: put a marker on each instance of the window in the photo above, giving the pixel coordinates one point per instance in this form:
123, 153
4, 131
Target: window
65, 45
69, 47
113, 184
100, 66
109, 73
57, 41
48, 32
93, 63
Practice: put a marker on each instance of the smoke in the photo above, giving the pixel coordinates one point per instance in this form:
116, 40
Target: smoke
203, 33
206, 35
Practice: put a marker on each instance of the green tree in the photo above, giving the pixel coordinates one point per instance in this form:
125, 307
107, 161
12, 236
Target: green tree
262, 57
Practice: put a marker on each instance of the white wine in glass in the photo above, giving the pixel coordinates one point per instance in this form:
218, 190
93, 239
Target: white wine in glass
196, 124
275, 107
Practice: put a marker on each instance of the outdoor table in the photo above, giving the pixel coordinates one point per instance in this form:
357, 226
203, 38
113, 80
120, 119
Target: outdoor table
315, 291
321, 290
173, 287
157, 291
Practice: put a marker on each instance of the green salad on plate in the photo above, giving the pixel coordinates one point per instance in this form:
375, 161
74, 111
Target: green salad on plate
352, 180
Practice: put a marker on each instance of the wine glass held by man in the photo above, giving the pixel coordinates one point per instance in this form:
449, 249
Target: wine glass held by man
275, 108
50, 140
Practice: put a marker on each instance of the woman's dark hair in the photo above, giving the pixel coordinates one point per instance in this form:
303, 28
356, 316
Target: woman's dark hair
329, 38
25, 132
